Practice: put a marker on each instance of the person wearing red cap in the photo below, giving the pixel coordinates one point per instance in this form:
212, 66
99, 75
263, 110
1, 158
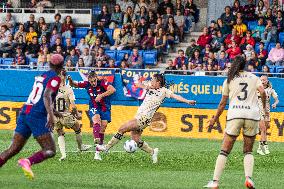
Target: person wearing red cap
37, 118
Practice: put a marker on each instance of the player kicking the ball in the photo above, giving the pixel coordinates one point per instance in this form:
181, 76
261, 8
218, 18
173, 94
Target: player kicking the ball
241, 88
37, 118
264, 123
65, 104
156, 94
99, 105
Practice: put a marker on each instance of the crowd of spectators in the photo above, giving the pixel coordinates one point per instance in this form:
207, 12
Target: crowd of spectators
145, 25
251, 30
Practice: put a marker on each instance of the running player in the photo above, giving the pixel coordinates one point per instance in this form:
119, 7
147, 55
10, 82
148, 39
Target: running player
241, 88
65, 104
37, 118
155, 96
99, 105
264, 123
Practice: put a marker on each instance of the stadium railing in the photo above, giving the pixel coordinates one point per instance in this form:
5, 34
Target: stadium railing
82, 17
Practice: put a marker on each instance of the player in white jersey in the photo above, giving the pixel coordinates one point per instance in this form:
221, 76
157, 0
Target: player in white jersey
155, 96
65, 104
241, 89
264, 123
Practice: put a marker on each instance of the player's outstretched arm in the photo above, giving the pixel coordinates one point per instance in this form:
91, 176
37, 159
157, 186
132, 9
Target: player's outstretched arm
71, 82
220, 110
276, 99
47, 99
181, 99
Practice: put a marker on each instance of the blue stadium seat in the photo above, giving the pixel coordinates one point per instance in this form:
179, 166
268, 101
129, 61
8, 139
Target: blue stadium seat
281, 37
117, 63
34, 60
96, 10
109, 33
111, 54
81, 32
256, 47
271, 68
7, 62
278, 69
120, 54
150, 57
140, 52
73, 42
271, 46
252, 25
95, 31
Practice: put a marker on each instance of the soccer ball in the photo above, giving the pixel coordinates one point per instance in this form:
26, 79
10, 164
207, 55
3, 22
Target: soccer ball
130, 146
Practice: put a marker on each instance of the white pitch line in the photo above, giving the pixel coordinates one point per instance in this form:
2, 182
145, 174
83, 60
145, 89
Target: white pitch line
94, 151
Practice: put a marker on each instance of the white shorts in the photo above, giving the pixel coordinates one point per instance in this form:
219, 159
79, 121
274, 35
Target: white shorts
234, 126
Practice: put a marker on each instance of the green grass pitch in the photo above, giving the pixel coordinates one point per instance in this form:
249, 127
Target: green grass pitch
183, 164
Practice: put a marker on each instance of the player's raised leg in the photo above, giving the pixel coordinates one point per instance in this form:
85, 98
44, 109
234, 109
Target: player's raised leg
101, 139
61, 143
248, 160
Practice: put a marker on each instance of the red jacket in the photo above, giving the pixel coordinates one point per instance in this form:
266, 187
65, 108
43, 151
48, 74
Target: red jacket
233, 52
230, 38
203, 40
250, 41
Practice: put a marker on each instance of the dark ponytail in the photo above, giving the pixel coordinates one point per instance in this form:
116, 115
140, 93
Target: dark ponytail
238, 64
160, 78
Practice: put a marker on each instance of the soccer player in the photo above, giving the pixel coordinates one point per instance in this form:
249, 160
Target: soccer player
155, 96
241, 88
264, 123
65, 104
99, 105
37, 118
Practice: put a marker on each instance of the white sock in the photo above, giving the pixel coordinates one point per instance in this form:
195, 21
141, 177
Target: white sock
219, 167
248, 164
61, 144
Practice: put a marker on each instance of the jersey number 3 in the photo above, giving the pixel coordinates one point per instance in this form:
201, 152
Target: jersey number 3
244, 91
37, 91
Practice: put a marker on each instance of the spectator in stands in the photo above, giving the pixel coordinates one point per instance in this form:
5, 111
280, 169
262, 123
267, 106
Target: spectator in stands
129, 16
124, 4
170, 66
270, 33
139, 5
179, 6
249, 11
262, 54
103, 19
240, 27
9, 21
125, 57
248, 52
228, 17
142, 28
67, 27
32, 49
90, 37
73, 57
44, 43
30, 35
213, 27
232, 37
135, 38
247, 40
172, 32
111, 63
160, 43
101, 57
19, 58
31, 22
217, 41
135, 60
180, 60
179, 19
103, 38
54, 36
191, 11
142, 13
153, 6
191, 48
275, 6
56, 44
68, 46
21, 31
8, 48
88, 59
279, 22
255, 61
259, 30
41, 22
210, 70
233, 51
124, 64
269, 15
163, 6
20, 43
116, 17
166, 16
223, 28
195, 59
152, 20
44, 57
122, 41
32, 6
266, 70
45, 31
43, 5
56, 24
205, 38
222, 61
80, 63
69, 66
147, 42
95, 47
251, 68
59, 51
4, 34
260, 10
159, 25
81, 46
276, 56
236, 8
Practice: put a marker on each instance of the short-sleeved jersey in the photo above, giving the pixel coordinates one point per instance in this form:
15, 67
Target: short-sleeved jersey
64, 98
101, 87
269, 92
153, 100
242, 92
35, 103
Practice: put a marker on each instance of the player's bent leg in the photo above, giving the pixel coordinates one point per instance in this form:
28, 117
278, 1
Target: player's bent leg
78, 133
248, 160
265, 145
262, 141
61, 143
96, 128
102, 132
17, 144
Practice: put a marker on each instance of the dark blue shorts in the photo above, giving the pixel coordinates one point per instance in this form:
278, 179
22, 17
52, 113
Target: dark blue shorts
28, 124
105, 116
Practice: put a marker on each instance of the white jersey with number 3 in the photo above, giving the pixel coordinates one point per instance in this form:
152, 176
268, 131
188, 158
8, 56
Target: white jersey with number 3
242, 92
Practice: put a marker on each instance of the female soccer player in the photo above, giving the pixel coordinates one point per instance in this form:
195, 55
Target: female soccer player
241, 88
37, 118
155, 96
264, 123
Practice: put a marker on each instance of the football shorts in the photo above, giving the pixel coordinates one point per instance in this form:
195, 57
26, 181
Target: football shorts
234, 126
67, 121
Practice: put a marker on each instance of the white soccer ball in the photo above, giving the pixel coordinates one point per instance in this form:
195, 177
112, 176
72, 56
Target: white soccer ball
130, 146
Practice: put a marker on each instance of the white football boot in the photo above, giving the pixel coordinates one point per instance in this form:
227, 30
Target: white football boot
155, 155
212, 184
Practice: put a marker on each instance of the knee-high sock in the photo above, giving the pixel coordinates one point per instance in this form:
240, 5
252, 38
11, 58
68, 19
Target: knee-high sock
37, 157
248, 164
220, 165
114, 140
79, 140
96, 132
2, 162
102, 137
145, 147
61, 144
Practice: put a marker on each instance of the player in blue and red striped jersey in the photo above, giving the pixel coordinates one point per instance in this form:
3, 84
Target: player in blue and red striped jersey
99, 105
37, 118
